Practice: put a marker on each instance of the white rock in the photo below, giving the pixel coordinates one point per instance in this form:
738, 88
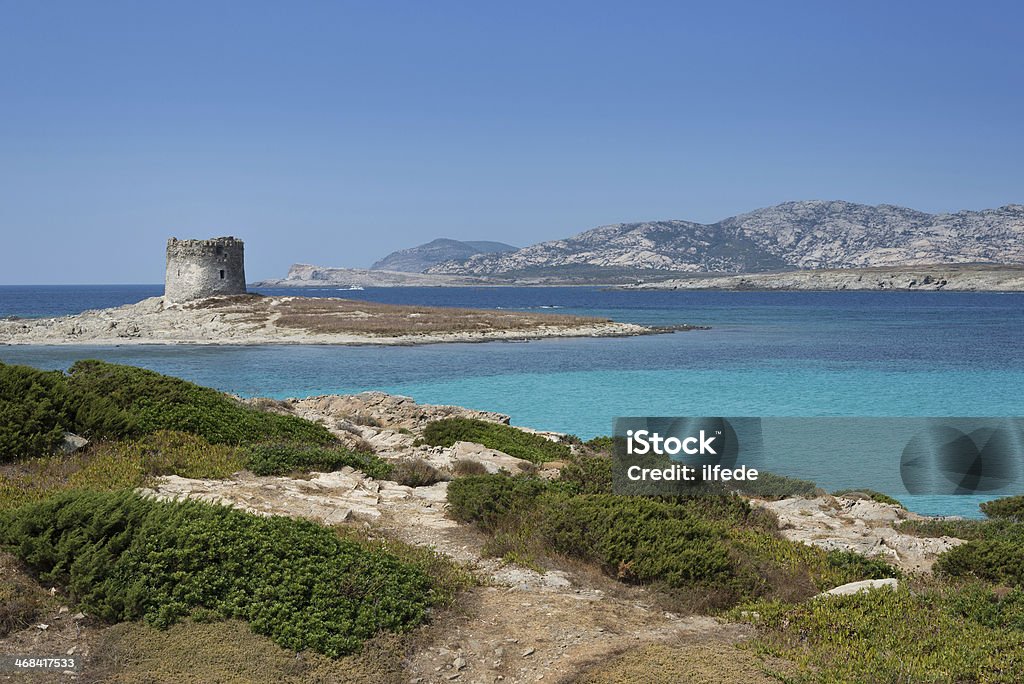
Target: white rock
863, 585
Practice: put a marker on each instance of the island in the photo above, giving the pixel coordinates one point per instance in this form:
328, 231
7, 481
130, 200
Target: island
254, 319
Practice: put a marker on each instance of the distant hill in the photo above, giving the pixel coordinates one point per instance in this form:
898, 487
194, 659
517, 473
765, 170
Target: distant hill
419, 259
794, 235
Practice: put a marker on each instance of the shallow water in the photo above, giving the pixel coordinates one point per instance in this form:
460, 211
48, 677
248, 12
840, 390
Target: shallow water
779, 354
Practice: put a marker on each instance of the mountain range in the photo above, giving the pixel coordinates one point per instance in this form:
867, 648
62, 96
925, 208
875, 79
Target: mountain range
789, 236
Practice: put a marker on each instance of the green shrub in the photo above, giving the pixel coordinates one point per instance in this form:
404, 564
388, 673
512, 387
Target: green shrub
998, 556
33, 417
636, 539
122, 557
871, 494
504, 438
487, 500
282, 458
1011, 507
588, 473
772, 486
604, 444
953, 527
104, 400
717, 548
937, 634
115, 401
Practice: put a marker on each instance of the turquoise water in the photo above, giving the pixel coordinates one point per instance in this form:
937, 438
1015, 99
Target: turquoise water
767, 354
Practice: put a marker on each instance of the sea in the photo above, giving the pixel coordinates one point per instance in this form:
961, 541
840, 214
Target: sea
765, 354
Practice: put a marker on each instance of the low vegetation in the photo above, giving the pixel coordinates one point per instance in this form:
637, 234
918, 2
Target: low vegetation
416, 472
994, 548
22, 600
282, 458
720, 546
108, 401
931, 633
344, 316
504, 438
771, 486
1009, 507
871, 494
122, 557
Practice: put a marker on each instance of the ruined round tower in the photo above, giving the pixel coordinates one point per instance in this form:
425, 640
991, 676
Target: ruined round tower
204, 268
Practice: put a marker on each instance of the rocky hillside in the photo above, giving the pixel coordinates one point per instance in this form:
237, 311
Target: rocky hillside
803, 235
419, 259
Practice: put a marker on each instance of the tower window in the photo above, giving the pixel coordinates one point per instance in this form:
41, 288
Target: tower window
222, 274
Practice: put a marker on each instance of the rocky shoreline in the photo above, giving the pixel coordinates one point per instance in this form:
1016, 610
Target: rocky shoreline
255, 320
949, 278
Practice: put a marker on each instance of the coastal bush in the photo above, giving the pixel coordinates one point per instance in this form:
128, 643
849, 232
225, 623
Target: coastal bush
994, 549
33, 417
416, 472
938, 633
871, 494
952, 527
488, 500
603, 444
281, 458
122, 557
720, 545
588, 472
1011, 507
772, 486
504, 438
998, 556
635, 539
109, 400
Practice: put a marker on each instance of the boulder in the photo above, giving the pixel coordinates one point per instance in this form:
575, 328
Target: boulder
491, 459
858, 587
73, 443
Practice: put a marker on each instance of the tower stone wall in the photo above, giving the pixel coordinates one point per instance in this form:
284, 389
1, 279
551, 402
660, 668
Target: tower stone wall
204, 268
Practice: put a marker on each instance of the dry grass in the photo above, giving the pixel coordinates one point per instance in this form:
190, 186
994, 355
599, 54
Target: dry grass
415, 472
345, 316
229, 652
703, 663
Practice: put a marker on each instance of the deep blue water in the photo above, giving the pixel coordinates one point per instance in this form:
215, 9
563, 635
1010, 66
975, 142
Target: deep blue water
778, 354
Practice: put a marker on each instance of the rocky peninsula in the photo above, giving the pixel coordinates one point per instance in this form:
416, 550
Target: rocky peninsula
255, 319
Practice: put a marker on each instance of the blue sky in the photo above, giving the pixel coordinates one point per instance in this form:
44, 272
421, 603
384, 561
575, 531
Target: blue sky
335, 132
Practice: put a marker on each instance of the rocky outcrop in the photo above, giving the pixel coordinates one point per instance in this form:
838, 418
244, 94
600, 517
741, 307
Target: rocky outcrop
860, 525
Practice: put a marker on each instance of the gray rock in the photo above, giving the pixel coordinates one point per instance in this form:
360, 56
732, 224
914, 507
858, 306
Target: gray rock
864, 585
73, 443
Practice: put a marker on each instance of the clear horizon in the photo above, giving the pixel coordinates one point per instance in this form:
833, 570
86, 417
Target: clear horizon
335, 133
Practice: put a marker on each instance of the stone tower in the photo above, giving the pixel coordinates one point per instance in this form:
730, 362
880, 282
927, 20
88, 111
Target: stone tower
204, 268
